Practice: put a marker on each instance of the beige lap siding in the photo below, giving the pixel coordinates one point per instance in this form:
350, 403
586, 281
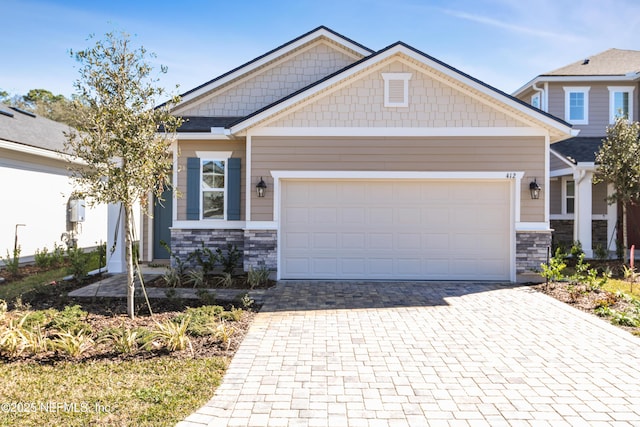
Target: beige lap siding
188, 149
400, 154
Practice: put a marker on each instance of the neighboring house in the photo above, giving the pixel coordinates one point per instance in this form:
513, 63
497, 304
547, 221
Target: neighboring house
37, 200
382, 164
590, 94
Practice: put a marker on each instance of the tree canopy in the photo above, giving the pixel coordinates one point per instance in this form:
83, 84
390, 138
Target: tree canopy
618, 163
122, 137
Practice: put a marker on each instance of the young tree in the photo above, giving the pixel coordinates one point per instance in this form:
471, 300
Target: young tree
123, 140
618, 163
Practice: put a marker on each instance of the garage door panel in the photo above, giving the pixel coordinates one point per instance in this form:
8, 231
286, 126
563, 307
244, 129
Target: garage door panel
325, 240
352, 241
429, 230
380, 240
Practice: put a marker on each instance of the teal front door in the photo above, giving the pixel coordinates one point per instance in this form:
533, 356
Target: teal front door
162, 219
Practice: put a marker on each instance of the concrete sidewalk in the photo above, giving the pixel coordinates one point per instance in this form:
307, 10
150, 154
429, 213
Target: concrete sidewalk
426, 354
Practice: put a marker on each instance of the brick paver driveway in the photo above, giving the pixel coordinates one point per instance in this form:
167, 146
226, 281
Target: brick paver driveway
426, 354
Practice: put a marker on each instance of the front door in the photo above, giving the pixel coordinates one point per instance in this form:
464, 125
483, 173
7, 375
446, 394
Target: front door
162, 220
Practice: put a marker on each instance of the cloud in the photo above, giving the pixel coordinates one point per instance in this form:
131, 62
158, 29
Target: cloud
513, 27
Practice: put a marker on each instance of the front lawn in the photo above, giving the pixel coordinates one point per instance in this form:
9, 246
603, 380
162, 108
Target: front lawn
77, 362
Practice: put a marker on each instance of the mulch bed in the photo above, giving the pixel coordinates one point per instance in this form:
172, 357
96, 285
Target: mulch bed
104, 313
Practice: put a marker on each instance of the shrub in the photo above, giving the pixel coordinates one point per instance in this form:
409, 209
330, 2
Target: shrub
173, 335
552, 272
225, 280
205, 258
601, 252
12, 338
257, 277
42, 258
172, 277
235, 314
79, 267
12, 263
229, 260
72, 343
196, 278
576, 249
224, 333
71, 319
202, 320
57, 255
124, 340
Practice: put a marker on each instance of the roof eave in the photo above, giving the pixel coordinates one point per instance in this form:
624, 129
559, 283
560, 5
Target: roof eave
576, 78
270, 56
565, 129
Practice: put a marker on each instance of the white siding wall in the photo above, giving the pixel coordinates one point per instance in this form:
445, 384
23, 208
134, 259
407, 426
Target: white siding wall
39, 200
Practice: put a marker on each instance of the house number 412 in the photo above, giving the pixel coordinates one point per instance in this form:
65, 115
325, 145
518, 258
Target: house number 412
511, 175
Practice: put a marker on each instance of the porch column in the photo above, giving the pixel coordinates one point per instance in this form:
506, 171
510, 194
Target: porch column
583, 210
612, 218
116, 262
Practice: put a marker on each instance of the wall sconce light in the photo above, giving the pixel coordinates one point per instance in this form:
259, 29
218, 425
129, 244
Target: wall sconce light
261, 187
535, 189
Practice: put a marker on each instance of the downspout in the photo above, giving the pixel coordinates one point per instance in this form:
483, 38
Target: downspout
576, 211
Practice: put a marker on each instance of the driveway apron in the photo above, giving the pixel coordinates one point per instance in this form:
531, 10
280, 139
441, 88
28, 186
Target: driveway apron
426, 354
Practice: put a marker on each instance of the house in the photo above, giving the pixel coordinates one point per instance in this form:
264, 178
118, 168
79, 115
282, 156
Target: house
324, 159
590, 94
38, 204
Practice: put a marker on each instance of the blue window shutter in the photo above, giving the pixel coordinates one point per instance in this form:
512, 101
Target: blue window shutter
233, 189
193, 188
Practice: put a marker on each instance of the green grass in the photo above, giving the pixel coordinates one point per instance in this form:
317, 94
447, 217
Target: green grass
11, 291
615, 285
157, 392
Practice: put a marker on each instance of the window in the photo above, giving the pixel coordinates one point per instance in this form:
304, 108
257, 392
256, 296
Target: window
535, 100
576, 105
396, 89
212, 184
620, 102
569, 197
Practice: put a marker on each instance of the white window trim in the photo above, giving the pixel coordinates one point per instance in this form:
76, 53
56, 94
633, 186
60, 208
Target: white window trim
539, 98
566, 214
405, 77
220, 156
612, 92
576, 89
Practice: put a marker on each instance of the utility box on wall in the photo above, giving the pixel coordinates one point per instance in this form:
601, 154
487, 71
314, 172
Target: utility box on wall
76, 210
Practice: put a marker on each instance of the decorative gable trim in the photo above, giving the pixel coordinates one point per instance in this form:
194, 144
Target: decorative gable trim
466, 84
272, 55
396, 89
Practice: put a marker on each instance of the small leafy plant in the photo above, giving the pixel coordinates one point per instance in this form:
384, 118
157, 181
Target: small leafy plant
196, 278
79, 263
225, 280
42, 258
230, 259
258, 277
205, 258
173, 335
552, 272
71, 343
12, 262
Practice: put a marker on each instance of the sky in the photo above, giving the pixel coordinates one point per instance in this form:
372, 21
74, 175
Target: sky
504, 43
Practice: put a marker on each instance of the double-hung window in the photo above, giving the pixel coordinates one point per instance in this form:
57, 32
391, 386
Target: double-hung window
212, 186
569, 197
576, 105
620, 102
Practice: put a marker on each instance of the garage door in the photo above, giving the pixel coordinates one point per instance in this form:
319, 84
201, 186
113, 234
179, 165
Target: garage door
403, 230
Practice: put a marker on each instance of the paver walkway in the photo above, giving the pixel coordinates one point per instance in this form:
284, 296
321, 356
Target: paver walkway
426, 354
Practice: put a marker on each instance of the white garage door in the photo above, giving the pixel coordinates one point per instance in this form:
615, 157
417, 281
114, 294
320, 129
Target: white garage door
403, 230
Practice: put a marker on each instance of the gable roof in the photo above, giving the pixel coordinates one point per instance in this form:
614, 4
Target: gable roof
271, 55
611, 62
398, 47
610, 65
21, 127
578, 149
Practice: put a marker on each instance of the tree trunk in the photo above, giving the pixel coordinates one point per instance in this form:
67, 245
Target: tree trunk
129, 260
625, 241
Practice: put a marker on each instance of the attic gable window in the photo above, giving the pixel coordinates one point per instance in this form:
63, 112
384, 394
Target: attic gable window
396, 89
